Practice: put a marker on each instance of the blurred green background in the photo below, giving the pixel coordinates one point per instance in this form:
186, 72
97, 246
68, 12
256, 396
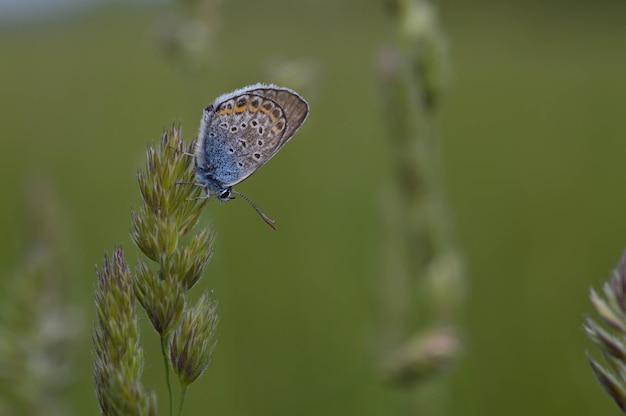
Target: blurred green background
534, 143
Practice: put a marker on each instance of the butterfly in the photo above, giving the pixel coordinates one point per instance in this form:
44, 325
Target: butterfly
240, 132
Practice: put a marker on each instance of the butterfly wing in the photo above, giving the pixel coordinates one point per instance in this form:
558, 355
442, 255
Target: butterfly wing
294, 110
244, 129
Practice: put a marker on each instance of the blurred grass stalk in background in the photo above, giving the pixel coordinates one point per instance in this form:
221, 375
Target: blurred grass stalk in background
422, 282
187, 37
39, 328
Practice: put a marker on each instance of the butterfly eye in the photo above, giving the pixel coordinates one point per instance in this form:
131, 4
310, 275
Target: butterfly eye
225, 194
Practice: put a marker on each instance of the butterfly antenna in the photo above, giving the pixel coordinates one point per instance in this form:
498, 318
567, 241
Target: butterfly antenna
267, 219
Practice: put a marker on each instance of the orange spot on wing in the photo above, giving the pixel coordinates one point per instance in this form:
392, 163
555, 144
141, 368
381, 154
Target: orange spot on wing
266, 107
274, 114
252, 107
225, 111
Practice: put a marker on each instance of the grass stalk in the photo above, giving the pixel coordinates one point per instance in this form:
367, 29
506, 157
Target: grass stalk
421, 279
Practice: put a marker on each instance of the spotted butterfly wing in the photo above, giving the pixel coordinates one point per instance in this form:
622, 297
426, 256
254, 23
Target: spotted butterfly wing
242, 130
